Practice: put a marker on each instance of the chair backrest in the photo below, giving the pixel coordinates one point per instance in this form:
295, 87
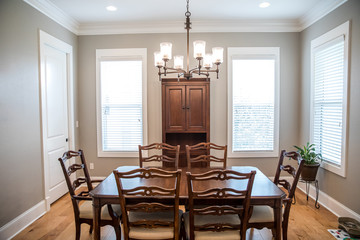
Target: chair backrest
219, 192
155, 197
72, 169
292, 171
194, 158
171, 158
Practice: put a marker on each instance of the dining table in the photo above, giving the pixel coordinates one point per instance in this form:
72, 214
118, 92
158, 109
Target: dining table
264, 192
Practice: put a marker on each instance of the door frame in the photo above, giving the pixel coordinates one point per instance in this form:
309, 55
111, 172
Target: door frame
46, 39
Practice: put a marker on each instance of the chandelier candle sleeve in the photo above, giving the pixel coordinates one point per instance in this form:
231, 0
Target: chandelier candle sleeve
199, 49
218, 54
178, 62
208, 61
158, 59
165, 49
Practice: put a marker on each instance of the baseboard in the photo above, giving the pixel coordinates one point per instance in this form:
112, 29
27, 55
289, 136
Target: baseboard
15, 226
329, 203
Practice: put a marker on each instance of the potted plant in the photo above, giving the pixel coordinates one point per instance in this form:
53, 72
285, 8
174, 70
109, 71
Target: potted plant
312, 161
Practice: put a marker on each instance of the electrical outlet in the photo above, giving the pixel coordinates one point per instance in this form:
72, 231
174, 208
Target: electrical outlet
91, 165
77, 124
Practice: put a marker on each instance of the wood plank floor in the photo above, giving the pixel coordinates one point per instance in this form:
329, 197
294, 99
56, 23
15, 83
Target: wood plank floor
306, 222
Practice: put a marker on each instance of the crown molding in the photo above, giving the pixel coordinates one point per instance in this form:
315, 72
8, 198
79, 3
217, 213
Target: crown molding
197, 26
50, 10
321, 9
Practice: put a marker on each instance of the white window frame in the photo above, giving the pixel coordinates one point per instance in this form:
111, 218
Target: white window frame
237, 53
342, 30
123, 53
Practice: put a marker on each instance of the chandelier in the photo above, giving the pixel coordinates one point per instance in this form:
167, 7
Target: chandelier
163, 56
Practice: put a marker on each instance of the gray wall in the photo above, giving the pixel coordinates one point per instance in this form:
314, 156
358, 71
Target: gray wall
21, 169
289, 44
345, 190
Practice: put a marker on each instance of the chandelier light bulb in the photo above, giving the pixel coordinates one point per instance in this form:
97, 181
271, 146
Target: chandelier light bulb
165, 49
199, 49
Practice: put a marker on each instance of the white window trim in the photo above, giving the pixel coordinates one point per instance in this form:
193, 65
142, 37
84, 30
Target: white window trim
342, 30
120, 54
234, 52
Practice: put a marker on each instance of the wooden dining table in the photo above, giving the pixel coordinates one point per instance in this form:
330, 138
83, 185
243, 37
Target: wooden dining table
264, 192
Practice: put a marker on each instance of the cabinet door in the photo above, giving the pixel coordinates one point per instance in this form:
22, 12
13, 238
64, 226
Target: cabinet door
196, 108
175, 108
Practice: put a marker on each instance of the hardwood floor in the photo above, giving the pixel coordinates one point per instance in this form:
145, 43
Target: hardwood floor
306, 222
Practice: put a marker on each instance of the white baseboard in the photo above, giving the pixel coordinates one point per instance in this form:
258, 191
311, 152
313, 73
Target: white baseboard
12, 228
329, 203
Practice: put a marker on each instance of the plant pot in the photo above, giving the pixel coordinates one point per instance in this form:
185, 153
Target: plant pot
309, 172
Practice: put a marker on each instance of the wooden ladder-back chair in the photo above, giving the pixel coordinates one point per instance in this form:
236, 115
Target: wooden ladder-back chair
193, 158
218, 211
171, 159
263, 216
82, 202
149, 212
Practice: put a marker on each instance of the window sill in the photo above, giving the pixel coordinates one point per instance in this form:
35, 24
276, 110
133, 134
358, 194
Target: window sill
118, 154
339, 170
253, 154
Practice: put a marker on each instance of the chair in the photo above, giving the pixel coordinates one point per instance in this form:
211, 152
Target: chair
263, 216
156, 215
166, 159
82, 202
212, 215
195, 156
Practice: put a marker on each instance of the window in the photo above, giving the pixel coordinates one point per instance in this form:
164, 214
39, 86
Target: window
329, 97
121, 101
253, 104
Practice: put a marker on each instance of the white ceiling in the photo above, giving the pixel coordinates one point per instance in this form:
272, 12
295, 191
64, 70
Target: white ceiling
137, 16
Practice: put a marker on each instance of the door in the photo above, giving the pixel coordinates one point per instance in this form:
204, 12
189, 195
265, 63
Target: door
196, 108
175, 108
55, 74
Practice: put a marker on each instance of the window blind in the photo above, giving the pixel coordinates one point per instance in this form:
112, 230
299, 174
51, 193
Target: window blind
253, 104
121, 104
328, 99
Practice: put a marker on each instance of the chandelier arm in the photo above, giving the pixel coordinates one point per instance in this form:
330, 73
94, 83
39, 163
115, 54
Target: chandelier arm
193, 70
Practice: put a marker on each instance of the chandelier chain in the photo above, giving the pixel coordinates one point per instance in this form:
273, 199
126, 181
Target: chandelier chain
187, 13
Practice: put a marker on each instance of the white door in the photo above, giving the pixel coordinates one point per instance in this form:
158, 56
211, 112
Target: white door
55, 73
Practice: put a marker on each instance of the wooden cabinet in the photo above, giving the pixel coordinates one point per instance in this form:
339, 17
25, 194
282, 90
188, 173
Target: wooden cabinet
185, 113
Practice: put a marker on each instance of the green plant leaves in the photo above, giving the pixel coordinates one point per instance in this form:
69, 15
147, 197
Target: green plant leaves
308, 153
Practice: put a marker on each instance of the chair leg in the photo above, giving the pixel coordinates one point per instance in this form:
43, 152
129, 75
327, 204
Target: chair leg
91, 229
117, 229
182, 230
78, 230
243, 232
284, 230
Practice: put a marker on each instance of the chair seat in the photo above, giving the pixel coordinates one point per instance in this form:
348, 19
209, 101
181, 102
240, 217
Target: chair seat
86, 211
152, 233
209, 235
262, 214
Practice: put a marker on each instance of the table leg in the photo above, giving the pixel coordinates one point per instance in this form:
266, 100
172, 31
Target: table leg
277, 215
97, 215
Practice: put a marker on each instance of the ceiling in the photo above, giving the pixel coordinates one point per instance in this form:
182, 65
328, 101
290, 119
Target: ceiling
142, 16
